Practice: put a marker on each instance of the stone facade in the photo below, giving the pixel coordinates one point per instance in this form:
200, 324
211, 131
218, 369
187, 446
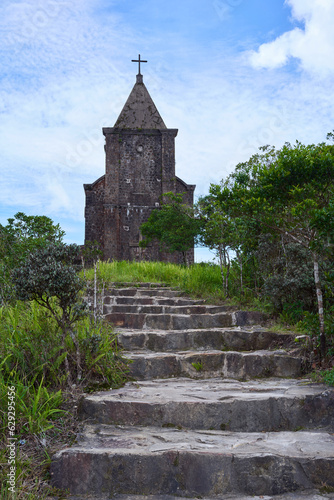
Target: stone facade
140, 167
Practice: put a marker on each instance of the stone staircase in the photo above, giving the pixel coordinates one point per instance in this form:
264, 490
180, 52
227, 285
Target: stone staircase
218, 409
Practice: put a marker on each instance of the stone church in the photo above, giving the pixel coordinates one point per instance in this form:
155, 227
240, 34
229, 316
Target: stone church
140, 167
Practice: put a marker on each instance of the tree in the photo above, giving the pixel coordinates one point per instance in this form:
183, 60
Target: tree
221, 230
290, 192
173, 225
49, 276
214, 235
22, 235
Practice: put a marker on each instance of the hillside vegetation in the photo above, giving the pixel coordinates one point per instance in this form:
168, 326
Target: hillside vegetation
51, 350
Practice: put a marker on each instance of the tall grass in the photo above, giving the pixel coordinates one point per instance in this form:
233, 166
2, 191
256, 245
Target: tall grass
30, 349
199, 279
32, 361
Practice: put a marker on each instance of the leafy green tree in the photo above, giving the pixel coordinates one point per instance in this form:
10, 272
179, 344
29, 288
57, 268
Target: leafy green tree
49, 277
287, 276
222, 230
173, 225
216, 233
22, 235
290, 192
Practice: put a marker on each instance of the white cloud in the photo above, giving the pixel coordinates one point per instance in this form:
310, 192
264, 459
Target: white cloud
313, 45
57, 85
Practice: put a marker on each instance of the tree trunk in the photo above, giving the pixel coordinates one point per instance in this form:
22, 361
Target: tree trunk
220, 254
320, 306
239, 257
228, 262
78, 355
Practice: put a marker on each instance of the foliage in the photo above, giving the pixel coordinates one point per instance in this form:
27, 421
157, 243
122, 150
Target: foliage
91, 253
221, 231
282, 201
198, 365
22, 235
48, 276
173, 225
32, 360
44, 338
31, 349
287, 273
50, 272
327, 376
309, 324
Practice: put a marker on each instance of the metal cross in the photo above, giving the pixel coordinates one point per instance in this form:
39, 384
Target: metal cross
138, 61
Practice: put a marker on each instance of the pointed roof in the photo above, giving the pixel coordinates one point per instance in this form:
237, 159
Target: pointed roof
139, 110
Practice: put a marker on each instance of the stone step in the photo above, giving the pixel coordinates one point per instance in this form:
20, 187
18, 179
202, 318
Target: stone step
139, 292
149, 460
183, 321
147, 300
169, 321
237, 365
139, 284
301, 495
257, 406
224, 339
164, 309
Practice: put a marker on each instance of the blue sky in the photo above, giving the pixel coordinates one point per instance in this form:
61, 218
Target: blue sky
231, 75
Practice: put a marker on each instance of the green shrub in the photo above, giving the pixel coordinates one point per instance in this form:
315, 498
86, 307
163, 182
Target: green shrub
310, 325
31, 349
328, 376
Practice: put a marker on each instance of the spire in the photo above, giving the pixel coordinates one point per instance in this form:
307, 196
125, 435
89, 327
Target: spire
139, 110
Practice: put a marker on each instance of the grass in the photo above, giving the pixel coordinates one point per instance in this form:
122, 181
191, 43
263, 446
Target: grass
324, 376
196, 280
198, 366
201, 280
36, 404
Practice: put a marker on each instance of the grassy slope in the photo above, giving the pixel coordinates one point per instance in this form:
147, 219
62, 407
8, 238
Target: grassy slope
198, 280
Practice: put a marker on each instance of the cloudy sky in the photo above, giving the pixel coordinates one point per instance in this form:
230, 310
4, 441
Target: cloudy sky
231, 75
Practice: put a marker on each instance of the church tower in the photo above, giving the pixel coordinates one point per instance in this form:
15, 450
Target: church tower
140, 167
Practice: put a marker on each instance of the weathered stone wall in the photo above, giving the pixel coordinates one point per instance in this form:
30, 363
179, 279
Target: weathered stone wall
94, 211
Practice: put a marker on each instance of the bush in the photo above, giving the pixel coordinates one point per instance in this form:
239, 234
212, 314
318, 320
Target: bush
310, 325
31, 350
